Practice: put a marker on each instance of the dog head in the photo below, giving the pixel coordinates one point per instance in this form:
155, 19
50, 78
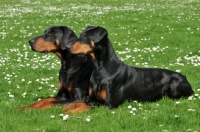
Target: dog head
96, 34
89, 40
53, 39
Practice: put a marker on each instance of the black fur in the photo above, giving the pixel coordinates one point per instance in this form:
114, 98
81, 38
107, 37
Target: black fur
75, 70
122, 82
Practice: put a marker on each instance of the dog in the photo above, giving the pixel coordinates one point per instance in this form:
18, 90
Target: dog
112, 82
75, 72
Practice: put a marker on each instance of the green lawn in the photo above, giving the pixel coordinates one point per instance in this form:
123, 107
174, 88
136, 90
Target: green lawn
145, 33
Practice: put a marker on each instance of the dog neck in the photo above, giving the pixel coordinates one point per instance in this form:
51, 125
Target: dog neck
62, 55
59, 55
105, 56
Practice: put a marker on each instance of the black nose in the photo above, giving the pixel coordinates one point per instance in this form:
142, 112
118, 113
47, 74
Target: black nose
31, 41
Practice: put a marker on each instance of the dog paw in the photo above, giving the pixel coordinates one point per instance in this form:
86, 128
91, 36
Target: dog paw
22, 108
77, 107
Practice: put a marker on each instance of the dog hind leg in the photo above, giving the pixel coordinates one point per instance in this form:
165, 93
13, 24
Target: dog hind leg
179, 87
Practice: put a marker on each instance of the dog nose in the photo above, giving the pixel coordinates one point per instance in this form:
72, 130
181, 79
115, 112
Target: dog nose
31, 41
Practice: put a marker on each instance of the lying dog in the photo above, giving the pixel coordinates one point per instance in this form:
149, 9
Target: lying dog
112, 82
75, 70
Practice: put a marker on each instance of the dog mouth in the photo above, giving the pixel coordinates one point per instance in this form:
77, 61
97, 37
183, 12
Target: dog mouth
33, 49
81, 54
45, 51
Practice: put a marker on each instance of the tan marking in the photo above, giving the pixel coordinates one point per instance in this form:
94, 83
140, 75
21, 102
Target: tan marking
60, 85
90, 91
102, 94
41, 45
80, 48
69, 86
59, 55
57, 42
41, 104
92, 56
92, 43
76, 107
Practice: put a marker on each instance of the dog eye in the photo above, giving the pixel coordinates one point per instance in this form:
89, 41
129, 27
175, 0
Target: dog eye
85, 35
51, 33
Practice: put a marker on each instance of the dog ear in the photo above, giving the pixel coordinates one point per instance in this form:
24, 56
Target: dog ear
95, 33
100, 34
88, 29
68, 38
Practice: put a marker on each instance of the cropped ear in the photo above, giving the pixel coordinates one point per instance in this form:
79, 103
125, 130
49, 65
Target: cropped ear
68, 38
100, 34
88, 29
95, 33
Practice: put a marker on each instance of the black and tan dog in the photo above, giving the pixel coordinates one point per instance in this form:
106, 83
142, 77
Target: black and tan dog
112, 82
75, 71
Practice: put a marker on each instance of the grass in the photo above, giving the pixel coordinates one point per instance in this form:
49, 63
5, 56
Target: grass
147, 33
